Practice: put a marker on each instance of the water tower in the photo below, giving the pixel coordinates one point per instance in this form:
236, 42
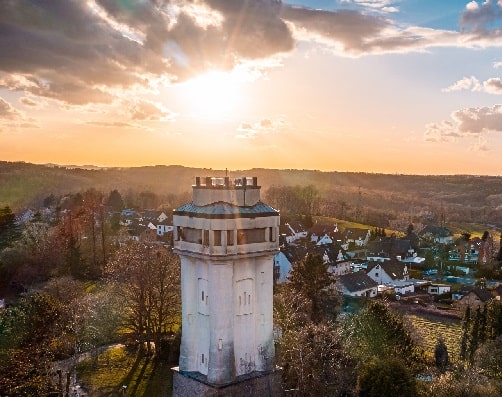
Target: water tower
226, 239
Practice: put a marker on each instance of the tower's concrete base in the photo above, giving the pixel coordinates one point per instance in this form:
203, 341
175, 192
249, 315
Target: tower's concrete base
256, 384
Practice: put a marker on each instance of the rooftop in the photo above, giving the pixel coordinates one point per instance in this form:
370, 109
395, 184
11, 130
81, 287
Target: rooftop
224, 210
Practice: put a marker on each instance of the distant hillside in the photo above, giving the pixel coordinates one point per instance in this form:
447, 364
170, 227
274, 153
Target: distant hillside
369, 196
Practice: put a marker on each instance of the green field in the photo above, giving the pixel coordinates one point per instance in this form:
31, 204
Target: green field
428, 328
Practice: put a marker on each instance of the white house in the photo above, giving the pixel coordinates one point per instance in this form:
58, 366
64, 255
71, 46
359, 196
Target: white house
357, 284
438, 289
340, 268
359, 237
324, 240
438, 234
154, 216
387, 272
402, 286
297, 231
282, 267
164, 227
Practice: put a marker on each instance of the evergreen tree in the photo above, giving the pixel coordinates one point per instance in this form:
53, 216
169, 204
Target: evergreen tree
311, 278
474, 339
441, 355
9, 228
74, 258
499, 257
466, 324
115, 201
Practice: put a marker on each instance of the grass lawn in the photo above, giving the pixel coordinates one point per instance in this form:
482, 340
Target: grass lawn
428, 329
143, 376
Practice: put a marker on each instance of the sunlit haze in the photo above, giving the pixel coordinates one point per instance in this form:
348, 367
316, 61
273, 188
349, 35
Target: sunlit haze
381, 86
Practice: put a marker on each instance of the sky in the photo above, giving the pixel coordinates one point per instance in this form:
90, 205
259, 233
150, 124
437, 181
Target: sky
380, 86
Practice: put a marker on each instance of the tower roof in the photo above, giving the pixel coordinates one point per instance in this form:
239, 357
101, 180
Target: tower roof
222, 210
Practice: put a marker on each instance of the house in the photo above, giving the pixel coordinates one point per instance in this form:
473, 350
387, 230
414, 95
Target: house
128, 213
164, 227
357, 284
390, 247
283, 261
282, 267
340, 268
401, 287
359, 237
465, 252
285, 235
472, 297
438, 289
140, 232
485, 248
320, 232
387, 272
438, 234
297, 231
413, 260
153, 216
324, 240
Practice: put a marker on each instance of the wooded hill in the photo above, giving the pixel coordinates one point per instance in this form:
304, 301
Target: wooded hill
370, 198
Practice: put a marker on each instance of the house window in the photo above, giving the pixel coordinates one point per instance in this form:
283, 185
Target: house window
202, 358
203, 305
250, 236
217, 237
243, 304
206, 238
230, 237
376, 274
271, 234
191, 235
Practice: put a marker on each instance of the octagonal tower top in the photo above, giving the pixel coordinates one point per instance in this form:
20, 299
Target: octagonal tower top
242, 192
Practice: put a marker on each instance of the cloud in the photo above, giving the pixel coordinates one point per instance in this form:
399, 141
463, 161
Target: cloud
352, 33
478, 17
493, 86
490, 86
78, 52
28, 102
141, 110
81, 52
385, 6
264, 126
111, 124
466, 83
467, 122
480, 146
7, 111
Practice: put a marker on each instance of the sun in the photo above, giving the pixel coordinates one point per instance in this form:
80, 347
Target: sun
214, 95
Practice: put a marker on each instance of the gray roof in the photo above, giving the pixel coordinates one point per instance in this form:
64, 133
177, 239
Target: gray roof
439, 231
223, 210
482, 293
393, 268
357, 281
